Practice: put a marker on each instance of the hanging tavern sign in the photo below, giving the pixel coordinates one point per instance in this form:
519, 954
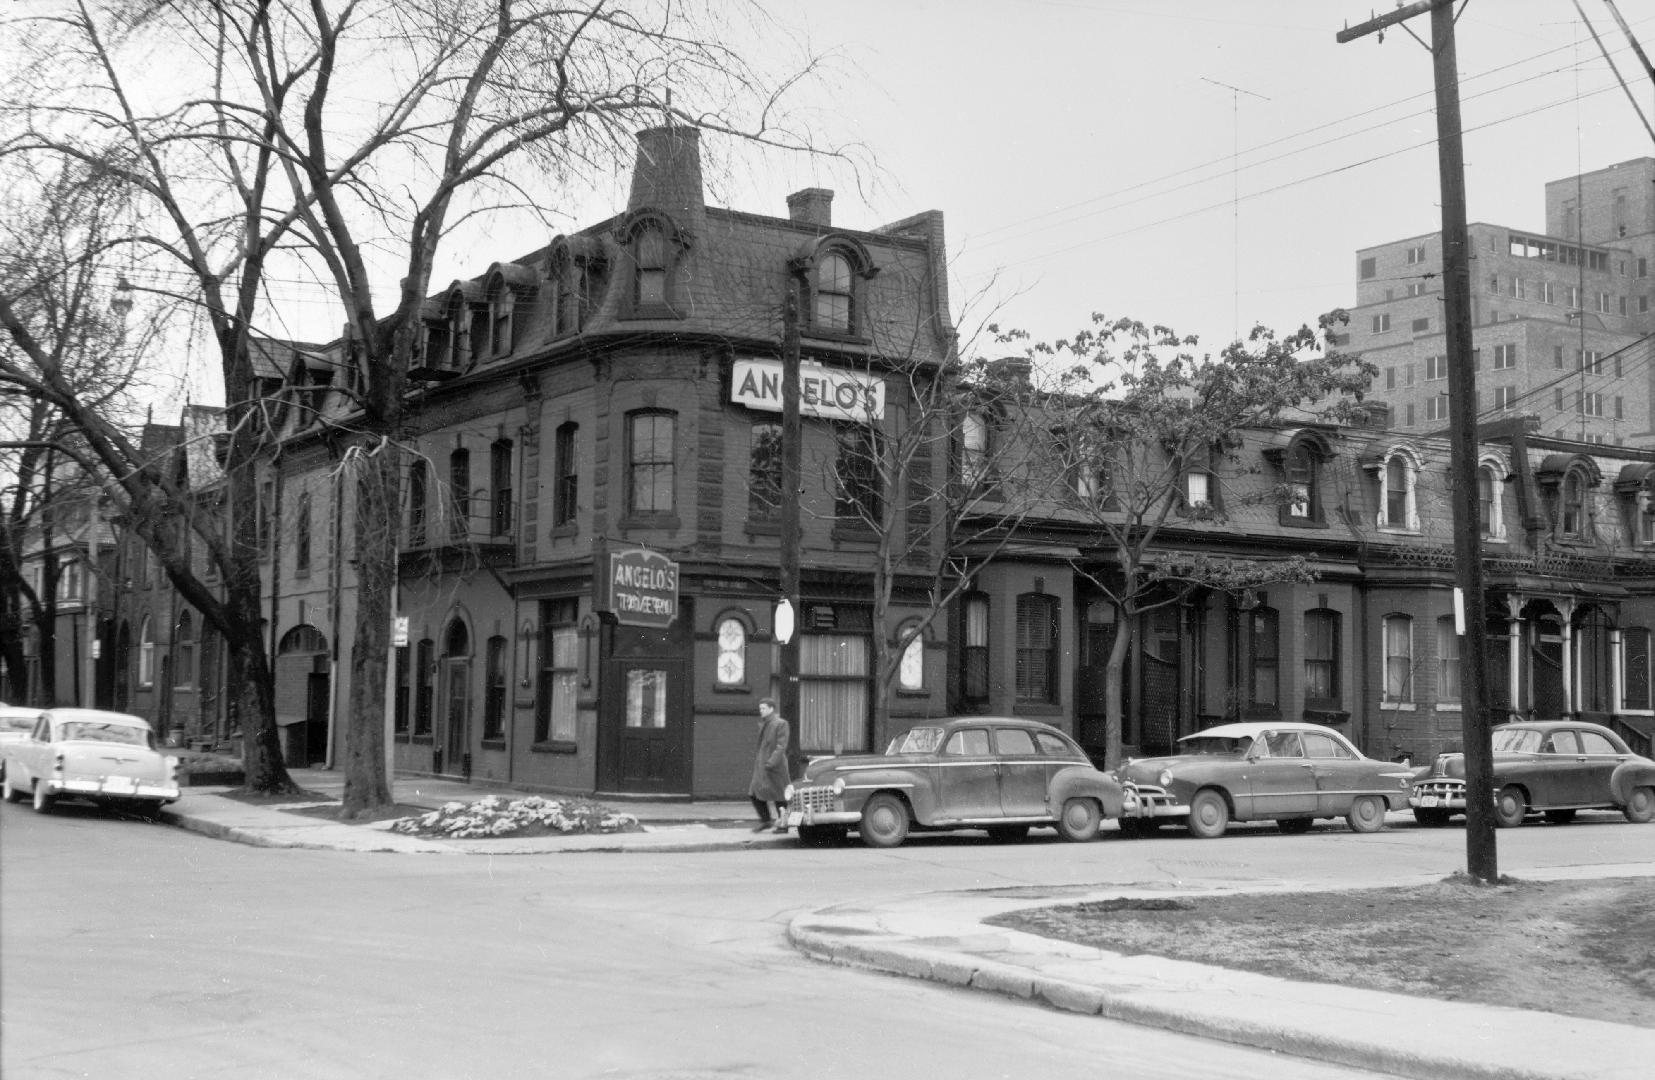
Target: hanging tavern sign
642, 588
830, 393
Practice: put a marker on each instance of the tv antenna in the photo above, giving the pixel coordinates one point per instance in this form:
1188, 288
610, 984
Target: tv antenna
1235, 197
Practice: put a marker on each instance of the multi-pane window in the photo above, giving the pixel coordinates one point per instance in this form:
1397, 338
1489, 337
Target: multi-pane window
1505, 356
974, 650
1436, 407
425, 690
146, 652
1416, 254
565, 475
1436, 367
650, 251
1368, 268
1321, 658
910, 673
1399, 658
559, 673
1548, 292
494, 693
1505, 397
650, 463
1397, 496
400, 709
834, 309
500, 487
764, 472
1381, 323
566, 291
1448, 661
1574, 504
1589, 360
859, 498
1489, 489
1037, 648
974, 448
1300, 470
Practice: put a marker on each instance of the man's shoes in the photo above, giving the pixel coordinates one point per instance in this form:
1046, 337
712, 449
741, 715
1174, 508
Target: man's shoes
781, 827
762, 826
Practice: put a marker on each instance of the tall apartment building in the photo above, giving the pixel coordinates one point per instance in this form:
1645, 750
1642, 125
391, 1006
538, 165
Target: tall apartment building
1561, 319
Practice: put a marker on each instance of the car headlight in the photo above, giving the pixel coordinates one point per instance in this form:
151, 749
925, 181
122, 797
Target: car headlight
1165, 778
839, 786
787, 793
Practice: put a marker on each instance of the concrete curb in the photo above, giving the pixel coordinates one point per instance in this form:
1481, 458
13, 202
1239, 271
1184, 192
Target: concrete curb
943, 939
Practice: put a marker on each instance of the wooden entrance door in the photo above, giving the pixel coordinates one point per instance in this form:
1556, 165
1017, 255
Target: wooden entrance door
645, 726
456, 715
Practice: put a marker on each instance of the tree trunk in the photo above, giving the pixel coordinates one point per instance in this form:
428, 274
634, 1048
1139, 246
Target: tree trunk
367, 787
252, 695
1114, 678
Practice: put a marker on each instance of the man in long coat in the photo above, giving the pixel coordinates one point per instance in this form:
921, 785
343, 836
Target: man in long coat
770, 778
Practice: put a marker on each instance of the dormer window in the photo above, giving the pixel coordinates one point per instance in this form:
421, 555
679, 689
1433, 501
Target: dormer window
650, 251
500, 304
1398, 499
976, 434
656, 249
833, 309
1300, 462
1574, 505
1491, 487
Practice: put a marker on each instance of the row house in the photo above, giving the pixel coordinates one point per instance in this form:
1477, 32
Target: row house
589, 542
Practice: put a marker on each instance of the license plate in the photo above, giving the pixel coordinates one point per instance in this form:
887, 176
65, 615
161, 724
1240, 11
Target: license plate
1427, 800
794, 817
122, 784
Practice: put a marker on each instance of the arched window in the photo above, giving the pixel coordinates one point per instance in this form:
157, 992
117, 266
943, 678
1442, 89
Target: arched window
732, 652
1398, 506
1491, 500
649, 250
457, 640
834, 307
146, 652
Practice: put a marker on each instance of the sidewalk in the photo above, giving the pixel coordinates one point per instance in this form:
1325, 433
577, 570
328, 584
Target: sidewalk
942, 937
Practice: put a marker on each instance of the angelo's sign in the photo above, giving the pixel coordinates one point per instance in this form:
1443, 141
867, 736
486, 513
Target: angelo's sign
831, 393
642, 588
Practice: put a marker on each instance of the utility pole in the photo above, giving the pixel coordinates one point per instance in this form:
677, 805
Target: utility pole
791, 456
1481, 862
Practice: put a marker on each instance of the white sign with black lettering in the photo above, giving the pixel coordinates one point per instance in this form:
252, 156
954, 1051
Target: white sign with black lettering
830, 393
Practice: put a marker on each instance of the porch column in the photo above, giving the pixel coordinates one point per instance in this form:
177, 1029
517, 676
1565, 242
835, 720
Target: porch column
1514, 659
1615, 671
1567, 609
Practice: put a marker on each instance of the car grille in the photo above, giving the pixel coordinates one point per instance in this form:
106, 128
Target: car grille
1440, 786
814, 799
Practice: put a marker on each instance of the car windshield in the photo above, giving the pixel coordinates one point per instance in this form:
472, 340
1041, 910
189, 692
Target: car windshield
97, 731
921, 740
1215, 744
1518, 740
17, 723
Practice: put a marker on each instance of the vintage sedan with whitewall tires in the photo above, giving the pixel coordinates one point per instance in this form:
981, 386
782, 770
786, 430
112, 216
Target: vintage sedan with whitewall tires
1550, 767
1289, 773
999, 774
15, 724
106, 757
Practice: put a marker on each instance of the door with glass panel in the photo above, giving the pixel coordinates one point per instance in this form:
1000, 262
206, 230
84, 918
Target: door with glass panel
645, 712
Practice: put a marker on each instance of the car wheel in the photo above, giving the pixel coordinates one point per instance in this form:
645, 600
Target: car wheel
10, 793
1367, 814
1293, 826
1510, 804
1079, 820
1431, 817
1640, 808
1209, 814
1560, 817
821, 835
884, 821
1004, 833
43, 799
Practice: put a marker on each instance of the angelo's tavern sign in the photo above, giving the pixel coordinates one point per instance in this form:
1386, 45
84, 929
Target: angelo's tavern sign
641, 588
831, 393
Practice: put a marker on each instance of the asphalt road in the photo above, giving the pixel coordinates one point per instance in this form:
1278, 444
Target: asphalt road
134, 950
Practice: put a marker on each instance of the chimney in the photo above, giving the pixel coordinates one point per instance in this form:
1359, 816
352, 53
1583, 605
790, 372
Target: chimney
668, 173
812, 206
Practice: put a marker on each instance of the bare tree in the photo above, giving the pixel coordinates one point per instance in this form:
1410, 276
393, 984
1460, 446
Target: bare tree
1138, 412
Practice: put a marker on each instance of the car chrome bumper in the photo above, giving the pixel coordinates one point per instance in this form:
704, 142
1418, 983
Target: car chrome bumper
124, 787
1438, 795
1145, 801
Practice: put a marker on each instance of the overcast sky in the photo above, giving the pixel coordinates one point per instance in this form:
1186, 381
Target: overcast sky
1204, 164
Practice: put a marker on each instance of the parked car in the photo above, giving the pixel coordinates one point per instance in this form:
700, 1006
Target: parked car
1289, 773
15, 724
995, 773
1551, 767
107, 757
